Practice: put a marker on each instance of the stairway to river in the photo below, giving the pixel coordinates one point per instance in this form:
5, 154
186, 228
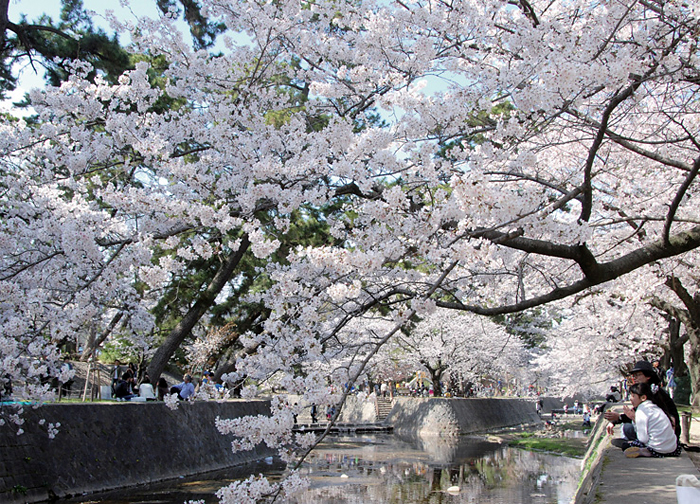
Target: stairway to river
384, 406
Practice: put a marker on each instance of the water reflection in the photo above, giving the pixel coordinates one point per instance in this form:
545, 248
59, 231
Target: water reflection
382, 469
202, 487
385, 469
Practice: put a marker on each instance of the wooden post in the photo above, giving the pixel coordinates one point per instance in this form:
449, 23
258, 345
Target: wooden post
87, 380
96, 393
686, 418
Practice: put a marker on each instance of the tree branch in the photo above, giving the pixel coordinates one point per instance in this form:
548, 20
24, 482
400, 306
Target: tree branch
594, 274
679, 196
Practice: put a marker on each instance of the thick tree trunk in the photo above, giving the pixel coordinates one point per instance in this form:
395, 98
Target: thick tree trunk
201, 306
676, 349
436, 376
693, 361
690, 317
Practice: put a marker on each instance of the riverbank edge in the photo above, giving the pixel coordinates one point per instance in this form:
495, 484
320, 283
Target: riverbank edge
607, 476
592, 463
106, 446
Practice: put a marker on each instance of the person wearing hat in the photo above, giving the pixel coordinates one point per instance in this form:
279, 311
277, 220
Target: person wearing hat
644, 372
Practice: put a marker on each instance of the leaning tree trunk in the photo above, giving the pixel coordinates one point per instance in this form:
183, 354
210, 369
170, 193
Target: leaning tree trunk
201, 306
95, 341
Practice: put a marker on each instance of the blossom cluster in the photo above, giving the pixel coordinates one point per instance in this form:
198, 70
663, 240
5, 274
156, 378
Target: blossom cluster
478, 156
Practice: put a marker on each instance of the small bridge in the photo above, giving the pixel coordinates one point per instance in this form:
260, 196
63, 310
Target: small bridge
344, 428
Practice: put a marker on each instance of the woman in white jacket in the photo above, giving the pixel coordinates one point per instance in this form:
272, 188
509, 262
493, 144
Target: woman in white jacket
655, 434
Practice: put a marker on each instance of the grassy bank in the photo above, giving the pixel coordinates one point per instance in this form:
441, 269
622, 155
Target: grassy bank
552, 440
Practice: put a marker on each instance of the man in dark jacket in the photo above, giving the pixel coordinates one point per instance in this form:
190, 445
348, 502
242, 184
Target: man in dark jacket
123, 390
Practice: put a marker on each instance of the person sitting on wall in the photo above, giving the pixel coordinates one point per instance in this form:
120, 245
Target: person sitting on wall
614, 395
655, 434
123, 390
185, 390
162, 387
146, 390
644, 372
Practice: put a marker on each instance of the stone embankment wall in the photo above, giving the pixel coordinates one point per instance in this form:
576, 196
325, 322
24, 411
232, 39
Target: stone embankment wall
447, 417
106, 446
434, 416
592, 464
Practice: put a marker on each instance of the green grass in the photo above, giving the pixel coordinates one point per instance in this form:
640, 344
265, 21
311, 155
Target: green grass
569, 447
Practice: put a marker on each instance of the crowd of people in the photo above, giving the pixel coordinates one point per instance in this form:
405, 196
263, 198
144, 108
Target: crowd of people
125, 386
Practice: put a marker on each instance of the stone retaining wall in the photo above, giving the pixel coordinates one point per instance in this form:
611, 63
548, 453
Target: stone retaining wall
411, 415
438, 416
103, 446
106, 446
592, 463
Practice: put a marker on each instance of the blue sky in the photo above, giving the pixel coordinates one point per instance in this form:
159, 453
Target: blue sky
34, 8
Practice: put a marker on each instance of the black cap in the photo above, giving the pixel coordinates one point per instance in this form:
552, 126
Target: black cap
643, 366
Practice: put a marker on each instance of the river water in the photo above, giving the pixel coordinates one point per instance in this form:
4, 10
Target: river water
377, 469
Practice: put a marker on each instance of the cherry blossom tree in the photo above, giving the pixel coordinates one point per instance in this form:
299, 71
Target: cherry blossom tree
456, 345
526, 153
591, 346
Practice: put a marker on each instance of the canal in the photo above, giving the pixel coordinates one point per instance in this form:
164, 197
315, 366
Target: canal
382, 468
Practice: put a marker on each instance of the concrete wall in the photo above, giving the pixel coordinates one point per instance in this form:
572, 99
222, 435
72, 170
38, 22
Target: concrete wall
359, 411
447, 417
354, 411
105, 446
592, 464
